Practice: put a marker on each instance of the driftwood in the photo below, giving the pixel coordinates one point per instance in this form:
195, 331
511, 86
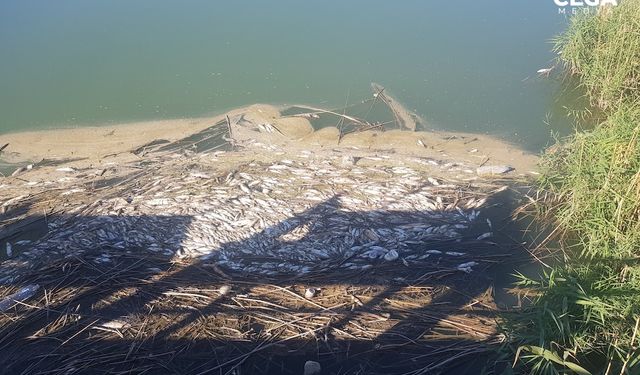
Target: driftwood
229, 127
405, 118
316, 110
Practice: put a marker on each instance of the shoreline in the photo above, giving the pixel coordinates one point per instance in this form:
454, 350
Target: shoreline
81, 141
89, 145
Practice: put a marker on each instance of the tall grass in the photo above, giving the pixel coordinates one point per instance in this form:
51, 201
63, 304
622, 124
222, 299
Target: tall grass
585, 316
605, 51
596, 180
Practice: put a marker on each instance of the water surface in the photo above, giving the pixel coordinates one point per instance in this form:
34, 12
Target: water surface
467, 66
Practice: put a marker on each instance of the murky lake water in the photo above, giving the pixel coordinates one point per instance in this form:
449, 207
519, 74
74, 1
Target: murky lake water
467, 66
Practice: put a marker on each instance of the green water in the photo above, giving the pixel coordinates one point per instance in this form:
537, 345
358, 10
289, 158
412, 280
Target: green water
463, 65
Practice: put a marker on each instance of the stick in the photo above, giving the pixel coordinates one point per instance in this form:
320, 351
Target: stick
402, 115
633, 338
350, 118
229, 126
341, 121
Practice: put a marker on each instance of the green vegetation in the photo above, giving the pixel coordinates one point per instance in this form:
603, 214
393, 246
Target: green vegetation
585, 315
604, 50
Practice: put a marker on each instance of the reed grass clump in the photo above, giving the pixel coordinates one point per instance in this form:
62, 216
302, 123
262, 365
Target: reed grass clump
604, 49
595, 178
585, 312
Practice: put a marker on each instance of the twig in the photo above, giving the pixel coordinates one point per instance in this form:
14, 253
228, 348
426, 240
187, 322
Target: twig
350, 118
633, 338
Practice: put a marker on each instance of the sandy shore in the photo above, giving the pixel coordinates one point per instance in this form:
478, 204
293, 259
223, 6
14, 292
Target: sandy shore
89, 146
96, 142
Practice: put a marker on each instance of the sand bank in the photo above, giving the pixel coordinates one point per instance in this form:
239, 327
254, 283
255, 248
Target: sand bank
86, 146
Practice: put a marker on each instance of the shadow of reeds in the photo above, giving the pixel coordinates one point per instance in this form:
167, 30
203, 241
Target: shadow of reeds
117, 307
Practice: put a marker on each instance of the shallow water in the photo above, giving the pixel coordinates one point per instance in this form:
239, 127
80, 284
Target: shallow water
463, 66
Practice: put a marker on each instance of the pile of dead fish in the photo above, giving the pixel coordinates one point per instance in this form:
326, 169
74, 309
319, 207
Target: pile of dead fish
285, 217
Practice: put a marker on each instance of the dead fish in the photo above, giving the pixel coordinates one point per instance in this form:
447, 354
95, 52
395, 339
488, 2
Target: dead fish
245, 189
544, 71
310, 293
18, 171
221, 214
312, 368
200, 175
115, 324
224, 290
347, 161
19, 296
489, 170
466, 267
9, 250
375, 252
454, 253
473, 215
391, 255
72, 191
66, 169
485, 236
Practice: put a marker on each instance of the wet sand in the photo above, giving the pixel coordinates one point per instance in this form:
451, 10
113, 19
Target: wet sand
96, 142
87, 146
